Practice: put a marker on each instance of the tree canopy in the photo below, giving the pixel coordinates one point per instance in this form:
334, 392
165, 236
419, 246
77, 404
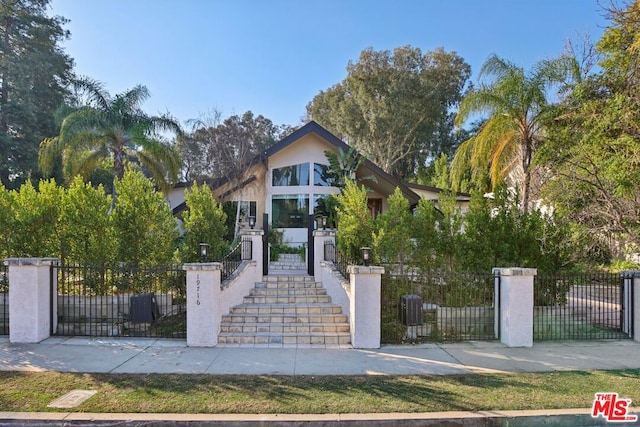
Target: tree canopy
395, 107
34, 74
114, 128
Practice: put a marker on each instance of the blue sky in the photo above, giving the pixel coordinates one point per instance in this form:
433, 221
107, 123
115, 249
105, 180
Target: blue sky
272, 57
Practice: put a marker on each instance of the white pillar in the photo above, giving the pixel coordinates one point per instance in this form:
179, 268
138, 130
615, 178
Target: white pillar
30, 298
515, 294
319, 239
631, 295
257, 248
364, 305
203, 294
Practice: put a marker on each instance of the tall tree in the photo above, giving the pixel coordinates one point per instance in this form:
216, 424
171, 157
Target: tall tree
34, 72
394, 107
517, 105
594, 149
229, 149
115, 128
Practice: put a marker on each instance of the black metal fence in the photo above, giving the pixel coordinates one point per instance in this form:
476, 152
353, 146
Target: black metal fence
4, 300
340, 261
120, 301
439, 307
230, 262
579, 307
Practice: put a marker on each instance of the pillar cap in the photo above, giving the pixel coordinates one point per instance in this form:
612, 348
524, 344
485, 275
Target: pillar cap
202, 266
361, 269
250, 232
515, 271
31, 261
324, 233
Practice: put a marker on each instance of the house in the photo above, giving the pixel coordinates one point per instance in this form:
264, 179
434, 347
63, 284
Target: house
287, 182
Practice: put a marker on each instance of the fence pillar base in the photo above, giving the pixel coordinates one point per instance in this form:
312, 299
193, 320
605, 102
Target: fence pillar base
515, 309
203, 296
365, 310
30, 302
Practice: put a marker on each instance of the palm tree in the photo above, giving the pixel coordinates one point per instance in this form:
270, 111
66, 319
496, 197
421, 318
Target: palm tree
115, 129
517, 106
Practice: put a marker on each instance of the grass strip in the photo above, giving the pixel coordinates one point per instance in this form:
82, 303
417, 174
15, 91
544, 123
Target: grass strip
159, 393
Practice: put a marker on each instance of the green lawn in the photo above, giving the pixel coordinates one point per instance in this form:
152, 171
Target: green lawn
316, 394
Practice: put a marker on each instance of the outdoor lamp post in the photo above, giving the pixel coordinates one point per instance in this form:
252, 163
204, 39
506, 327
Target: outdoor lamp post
204, 251
252, 221
323, 221
366, 255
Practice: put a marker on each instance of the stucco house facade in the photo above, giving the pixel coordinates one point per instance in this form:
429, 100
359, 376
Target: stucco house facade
286, 184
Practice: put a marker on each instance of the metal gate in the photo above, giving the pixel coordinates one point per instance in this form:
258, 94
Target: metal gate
118, 301
581, 307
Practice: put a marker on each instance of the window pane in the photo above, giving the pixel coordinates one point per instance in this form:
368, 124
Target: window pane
320, 175
291, 175
290, 210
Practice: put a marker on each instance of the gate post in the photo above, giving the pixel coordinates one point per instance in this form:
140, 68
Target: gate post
515, 290
364, 305
320, 238
631, 304
31, 307
203, 301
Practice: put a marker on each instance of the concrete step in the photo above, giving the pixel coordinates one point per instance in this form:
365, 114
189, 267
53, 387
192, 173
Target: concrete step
316, 309
320, 338
287, 292
300, 299
288, 278
287, 328
288, 285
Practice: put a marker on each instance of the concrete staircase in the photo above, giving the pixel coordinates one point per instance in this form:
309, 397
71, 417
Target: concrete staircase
288, 262
286, 310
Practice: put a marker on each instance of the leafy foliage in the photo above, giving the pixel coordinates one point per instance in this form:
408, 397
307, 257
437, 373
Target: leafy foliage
394, 107
203, 222
355, 224
113, 128
87, 233
517, 106
145, 228
34, 72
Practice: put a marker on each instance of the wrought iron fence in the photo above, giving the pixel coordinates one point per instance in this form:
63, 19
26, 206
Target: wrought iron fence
340, 261
578, 307
439, 307
4, 299
230, 262
120, 301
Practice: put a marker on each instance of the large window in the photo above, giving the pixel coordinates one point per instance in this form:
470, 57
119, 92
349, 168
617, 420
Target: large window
291, 175
290, 210
320, 175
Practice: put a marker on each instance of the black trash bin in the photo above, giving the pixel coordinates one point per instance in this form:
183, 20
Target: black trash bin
411, 310
143, 308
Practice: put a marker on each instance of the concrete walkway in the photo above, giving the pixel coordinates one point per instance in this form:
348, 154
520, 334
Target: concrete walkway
112, 355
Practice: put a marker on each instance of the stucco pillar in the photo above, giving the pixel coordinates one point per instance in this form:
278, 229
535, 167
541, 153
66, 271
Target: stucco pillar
631, 297
257, 248
320, 237
364, 305
30, 298
203, 294
515, 308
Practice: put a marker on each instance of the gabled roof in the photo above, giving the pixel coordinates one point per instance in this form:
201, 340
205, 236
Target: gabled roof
313, 127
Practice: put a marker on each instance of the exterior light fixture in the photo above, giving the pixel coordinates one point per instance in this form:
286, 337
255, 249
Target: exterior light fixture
252, 221
366, 255
204, 251
323, 221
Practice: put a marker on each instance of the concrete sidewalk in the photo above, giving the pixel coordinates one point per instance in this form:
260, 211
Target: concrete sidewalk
113, 355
